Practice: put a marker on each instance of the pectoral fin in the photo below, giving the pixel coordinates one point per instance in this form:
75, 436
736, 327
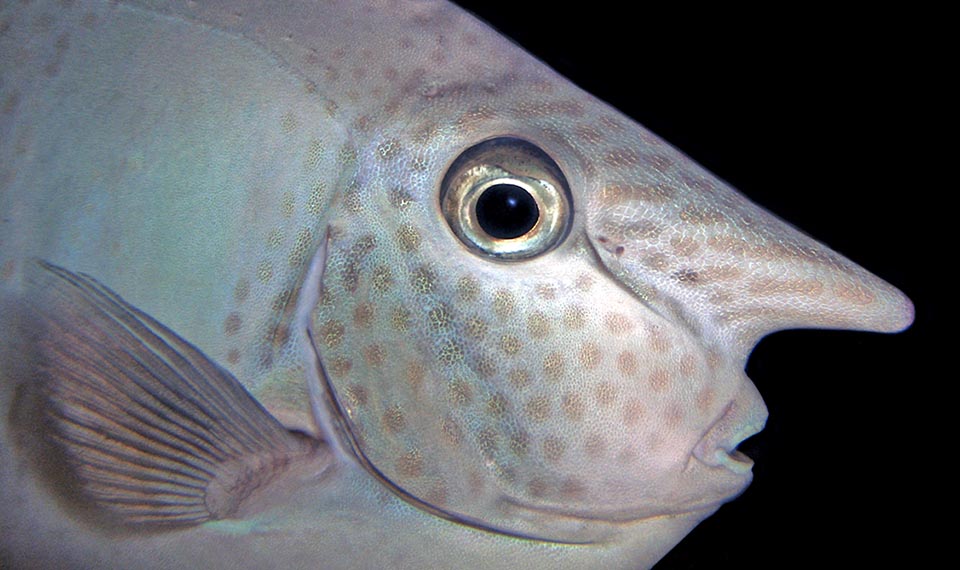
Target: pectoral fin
153, 431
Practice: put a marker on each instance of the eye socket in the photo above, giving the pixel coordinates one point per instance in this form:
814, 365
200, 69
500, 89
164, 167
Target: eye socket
507, 199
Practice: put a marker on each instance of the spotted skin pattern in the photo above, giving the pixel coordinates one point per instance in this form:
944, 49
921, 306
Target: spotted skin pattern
565, 397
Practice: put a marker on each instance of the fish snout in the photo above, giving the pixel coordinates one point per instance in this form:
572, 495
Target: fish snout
732, 272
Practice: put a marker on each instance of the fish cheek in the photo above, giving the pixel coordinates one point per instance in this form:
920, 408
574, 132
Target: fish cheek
472, 385
601, 397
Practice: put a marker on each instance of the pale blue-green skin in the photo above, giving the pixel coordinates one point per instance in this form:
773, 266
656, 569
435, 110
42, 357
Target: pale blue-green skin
193, 159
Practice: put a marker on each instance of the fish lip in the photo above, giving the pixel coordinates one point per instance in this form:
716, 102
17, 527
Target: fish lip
718, 446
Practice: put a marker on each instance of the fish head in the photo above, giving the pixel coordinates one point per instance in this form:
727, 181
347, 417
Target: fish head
535, 315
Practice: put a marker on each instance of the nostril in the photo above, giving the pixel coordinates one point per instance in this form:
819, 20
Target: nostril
607, 246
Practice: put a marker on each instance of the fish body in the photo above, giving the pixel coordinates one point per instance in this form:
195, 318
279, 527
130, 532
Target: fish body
270, 184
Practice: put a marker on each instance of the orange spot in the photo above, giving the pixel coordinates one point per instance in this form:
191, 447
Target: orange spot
279, 335
459, 392
538, 325
340, 366
450, 352
518, 377
595, 445
659, 380
574, 317
497, 405
688, 365
627, 363
606, 394
393, 419
279, 303
854, 293
573, 489
766, 286
623, 157
331, 333
573, 406
673, 416
684, 246
375, 355
410, 464
538, 408
400, 199
590, 355
618, 324
554, 448
241, 291
617, 193
705, 399
357, 395
589, 134
451, 431
539, 108
547, 291
687, 276
713, 360
553, 365
487, 442
486, 367
519, 443
503, 303
438, 318
510, 344
693, 214
424, 280
658, 341
476, 328
416, 372
656, 262
232, 324
400, 319
363, 315
608, 122
720, 273
408, 238
537, 487
632, 412
584, 282
437, 495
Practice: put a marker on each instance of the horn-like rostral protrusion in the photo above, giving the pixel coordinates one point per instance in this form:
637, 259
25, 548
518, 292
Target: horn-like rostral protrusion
727, 268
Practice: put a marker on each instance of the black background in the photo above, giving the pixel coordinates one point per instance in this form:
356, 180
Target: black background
831, 120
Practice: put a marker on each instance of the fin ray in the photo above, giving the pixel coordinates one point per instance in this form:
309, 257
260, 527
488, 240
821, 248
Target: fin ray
149, 425
175, 360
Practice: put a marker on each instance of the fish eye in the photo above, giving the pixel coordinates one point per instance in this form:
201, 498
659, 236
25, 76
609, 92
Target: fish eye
506, 198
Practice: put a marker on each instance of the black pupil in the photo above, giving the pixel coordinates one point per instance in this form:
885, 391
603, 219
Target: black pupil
506, 211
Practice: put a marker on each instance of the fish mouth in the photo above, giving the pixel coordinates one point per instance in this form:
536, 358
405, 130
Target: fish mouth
738, 422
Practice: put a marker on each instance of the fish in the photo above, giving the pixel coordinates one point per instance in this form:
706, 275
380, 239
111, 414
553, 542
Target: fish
277, 197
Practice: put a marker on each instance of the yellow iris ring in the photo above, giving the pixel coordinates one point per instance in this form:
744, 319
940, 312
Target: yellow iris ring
511, 162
